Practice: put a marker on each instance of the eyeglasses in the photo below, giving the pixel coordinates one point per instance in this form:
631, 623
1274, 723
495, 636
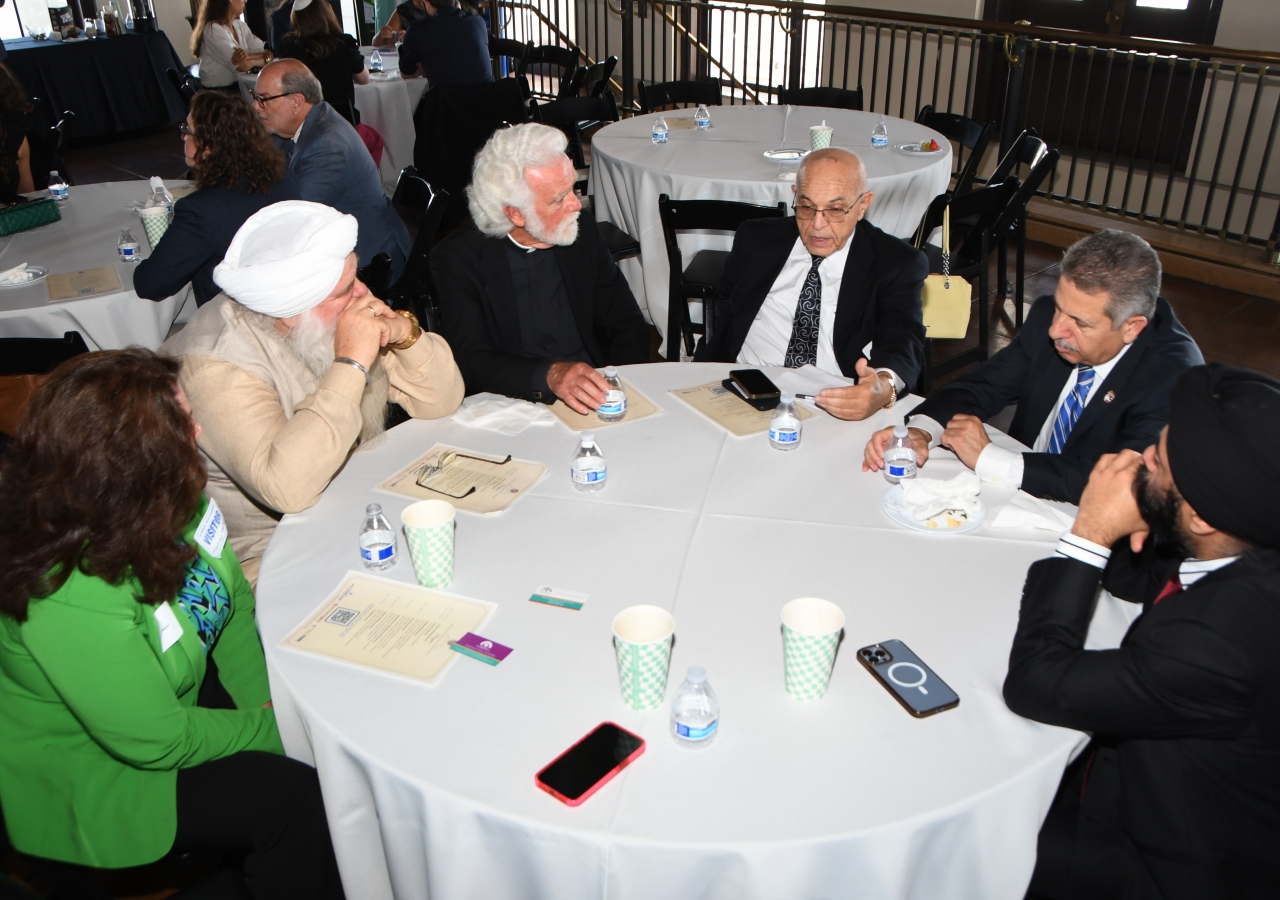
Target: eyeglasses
264, 99
835, 215
431, 470
184, 128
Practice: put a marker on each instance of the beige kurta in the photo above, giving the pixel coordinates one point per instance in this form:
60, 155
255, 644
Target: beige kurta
274, 434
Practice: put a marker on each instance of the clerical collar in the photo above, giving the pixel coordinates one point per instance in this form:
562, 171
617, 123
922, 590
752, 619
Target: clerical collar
522, 246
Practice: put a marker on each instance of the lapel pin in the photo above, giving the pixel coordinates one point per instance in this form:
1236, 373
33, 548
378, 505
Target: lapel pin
1108, 396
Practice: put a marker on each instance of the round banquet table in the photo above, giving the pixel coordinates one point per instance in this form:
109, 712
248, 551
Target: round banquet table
430, 788
726, 162
86, 238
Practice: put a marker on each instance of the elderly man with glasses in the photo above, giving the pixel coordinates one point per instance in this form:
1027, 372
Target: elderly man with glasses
827, 289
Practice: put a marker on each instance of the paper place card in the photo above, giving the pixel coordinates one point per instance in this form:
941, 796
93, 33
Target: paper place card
468, 482
88, 283
558, 597
638, 407
481, 648
729, 411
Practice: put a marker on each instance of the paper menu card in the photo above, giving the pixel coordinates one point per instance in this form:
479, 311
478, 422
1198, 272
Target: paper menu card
683, 123
638, 407
73, 285
731, 412
389, 625
497, 484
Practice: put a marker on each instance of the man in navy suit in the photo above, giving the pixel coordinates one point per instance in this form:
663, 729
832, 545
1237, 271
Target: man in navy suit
328, 159
1090, 372
449, 46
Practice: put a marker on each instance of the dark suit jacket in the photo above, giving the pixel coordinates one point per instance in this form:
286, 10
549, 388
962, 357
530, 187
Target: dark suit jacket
1030, 372
204, 222
481, 323
1191, 704
453, 47
879, 296
333, 167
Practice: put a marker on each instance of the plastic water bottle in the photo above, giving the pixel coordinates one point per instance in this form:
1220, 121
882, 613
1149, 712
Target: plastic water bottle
660, 131
702, 118
880, 136
377, 539
588, 468
128, 247
695, 710
58, 189
899, 456
615, 399
785, 426
375, 61
160, 196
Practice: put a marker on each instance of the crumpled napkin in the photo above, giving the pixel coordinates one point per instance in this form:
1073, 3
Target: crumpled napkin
924, 498
1025, 511
16, 275
505, 415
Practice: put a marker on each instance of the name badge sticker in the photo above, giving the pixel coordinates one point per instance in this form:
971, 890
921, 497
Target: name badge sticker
170, 628
552, 596
212, 533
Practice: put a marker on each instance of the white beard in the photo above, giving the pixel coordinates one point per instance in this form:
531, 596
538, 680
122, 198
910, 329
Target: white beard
312, 340
562, 236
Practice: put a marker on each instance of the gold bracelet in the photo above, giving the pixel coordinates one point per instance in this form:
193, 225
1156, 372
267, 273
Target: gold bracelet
411, 339
893, 393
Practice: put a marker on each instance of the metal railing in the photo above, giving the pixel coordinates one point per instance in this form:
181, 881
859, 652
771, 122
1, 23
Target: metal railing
1176, 135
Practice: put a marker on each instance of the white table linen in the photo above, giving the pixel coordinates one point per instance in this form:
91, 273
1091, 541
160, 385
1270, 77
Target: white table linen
629, 171
86, 238
430, 789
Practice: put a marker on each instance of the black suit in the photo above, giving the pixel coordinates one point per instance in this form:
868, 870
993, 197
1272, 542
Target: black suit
204, 222
1183, 801
879, 296
1031, 373
481, 322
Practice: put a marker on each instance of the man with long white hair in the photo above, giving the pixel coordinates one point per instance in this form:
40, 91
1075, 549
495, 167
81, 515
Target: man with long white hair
291, 367
531, 301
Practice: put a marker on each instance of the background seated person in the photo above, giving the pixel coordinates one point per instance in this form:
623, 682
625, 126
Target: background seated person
406, 14
1105, 332
238, 171
282, 22
1181, 798
123, 741
449, 47
291, 375
15, 149
332, 56
224, 44
823, 287
329, 160
528, 296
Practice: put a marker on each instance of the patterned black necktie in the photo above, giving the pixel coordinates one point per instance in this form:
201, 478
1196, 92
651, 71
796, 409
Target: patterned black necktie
802, 349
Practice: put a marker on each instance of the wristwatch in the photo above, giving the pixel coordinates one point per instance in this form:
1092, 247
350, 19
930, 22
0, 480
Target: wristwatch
893, 393
411, 339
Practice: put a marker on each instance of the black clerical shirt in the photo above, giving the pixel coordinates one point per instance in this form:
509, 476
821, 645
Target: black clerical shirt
548, 330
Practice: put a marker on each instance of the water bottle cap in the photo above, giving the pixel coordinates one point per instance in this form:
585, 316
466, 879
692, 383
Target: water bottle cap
610, 371
899, 431
697, 675
157, 182
788, 398
588, 437
373, 509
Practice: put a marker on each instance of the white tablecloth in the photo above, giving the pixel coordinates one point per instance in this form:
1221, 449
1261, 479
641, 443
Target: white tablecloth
86, 238
430, 789
628, 172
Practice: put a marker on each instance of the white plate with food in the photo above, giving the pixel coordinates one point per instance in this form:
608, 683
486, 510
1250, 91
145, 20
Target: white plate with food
31, 276
928, 148
949, 521
787, 154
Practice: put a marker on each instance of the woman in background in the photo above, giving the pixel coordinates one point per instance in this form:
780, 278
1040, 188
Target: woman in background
15, 149
224, 44
317, 40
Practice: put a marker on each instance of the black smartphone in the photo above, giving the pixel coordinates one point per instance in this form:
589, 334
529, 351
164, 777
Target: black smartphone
754, 384
585, 767
912, 683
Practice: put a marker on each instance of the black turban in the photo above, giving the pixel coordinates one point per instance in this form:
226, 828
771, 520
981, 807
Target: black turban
1224, 449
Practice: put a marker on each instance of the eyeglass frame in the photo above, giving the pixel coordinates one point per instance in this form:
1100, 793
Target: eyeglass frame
424, 476
260, 100
826, 211
185, 130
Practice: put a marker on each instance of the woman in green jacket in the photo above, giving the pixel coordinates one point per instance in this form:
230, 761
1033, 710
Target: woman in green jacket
118, 593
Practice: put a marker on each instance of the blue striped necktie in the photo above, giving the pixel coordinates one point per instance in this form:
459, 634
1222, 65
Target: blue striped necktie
1071, 408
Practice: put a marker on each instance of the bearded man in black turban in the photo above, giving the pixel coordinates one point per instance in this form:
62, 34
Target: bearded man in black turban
1179, 793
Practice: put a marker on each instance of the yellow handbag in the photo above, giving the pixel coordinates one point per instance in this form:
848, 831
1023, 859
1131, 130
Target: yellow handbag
946, 305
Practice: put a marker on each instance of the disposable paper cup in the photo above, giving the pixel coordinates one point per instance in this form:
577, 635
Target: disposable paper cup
155, 222
642, 641
810, 632
819, 137
428, 530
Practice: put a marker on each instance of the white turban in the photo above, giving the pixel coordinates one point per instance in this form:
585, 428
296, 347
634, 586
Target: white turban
287, 257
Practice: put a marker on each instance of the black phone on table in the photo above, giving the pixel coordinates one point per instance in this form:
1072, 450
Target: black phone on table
588, 765
754, 384
905, 675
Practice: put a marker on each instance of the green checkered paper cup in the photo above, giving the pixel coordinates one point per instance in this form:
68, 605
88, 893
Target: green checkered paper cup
642, 641
820, 136
155, 222
810, 632
428, 530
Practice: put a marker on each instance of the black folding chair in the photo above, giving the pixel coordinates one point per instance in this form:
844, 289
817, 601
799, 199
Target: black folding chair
1013, 223
182, 85
505, 48
573, 116
1027, 149
669, 93
543, 62
39, 356
702, 277
416, 289
59, 138
593, 80
377, 275
831, 97
965, 132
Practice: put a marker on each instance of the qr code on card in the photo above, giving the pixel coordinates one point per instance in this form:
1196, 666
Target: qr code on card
719, 390
342, 616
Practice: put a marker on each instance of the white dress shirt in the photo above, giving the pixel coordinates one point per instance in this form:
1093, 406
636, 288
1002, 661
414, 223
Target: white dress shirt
1189, 572
1001, 466
216, 48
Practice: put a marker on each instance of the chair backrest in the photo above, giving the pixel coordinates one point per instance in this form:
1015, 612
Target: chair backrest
377, 275
515, 50
965, 132
1027, 149
669, 93
971, 213
416, 288
548, 56
1017, 204
831, 97
39, 356
569, 114
180, 85
61, 132
593, 80
706, 215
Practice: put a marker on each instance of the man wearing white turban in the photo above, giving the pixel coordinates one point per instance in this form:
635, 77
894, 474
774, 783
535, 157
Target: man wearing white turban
291, 367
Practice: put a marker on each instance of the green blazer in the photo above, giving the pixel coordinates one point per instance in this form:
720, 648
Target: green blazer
96, 719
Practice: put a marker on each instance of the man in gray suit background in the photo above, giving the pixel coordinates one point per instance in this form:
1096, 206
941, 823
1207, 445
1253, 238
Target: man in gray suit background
328, 159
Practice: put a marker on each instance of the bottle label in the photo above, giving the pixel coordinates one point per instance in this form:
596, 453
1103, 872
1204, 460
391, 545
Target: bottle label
703, 123
588, 476
615, 403
378, 554
900, 469
659, 137
128, 252
784, 435
58, 192
697, 734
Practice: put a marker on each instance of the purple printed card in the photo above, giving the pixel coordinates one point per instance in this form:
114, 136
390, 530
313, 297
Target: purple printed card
491, 649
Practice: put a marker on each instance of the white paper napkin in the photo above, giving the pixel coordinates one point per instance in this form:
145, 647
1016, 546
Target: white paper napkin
924, 498
505, 415
16, 275
1025, 511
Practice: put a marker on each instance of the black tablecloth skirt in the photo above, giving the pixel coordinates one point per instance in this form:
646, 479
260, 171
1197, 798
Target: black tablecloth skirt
111, 84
